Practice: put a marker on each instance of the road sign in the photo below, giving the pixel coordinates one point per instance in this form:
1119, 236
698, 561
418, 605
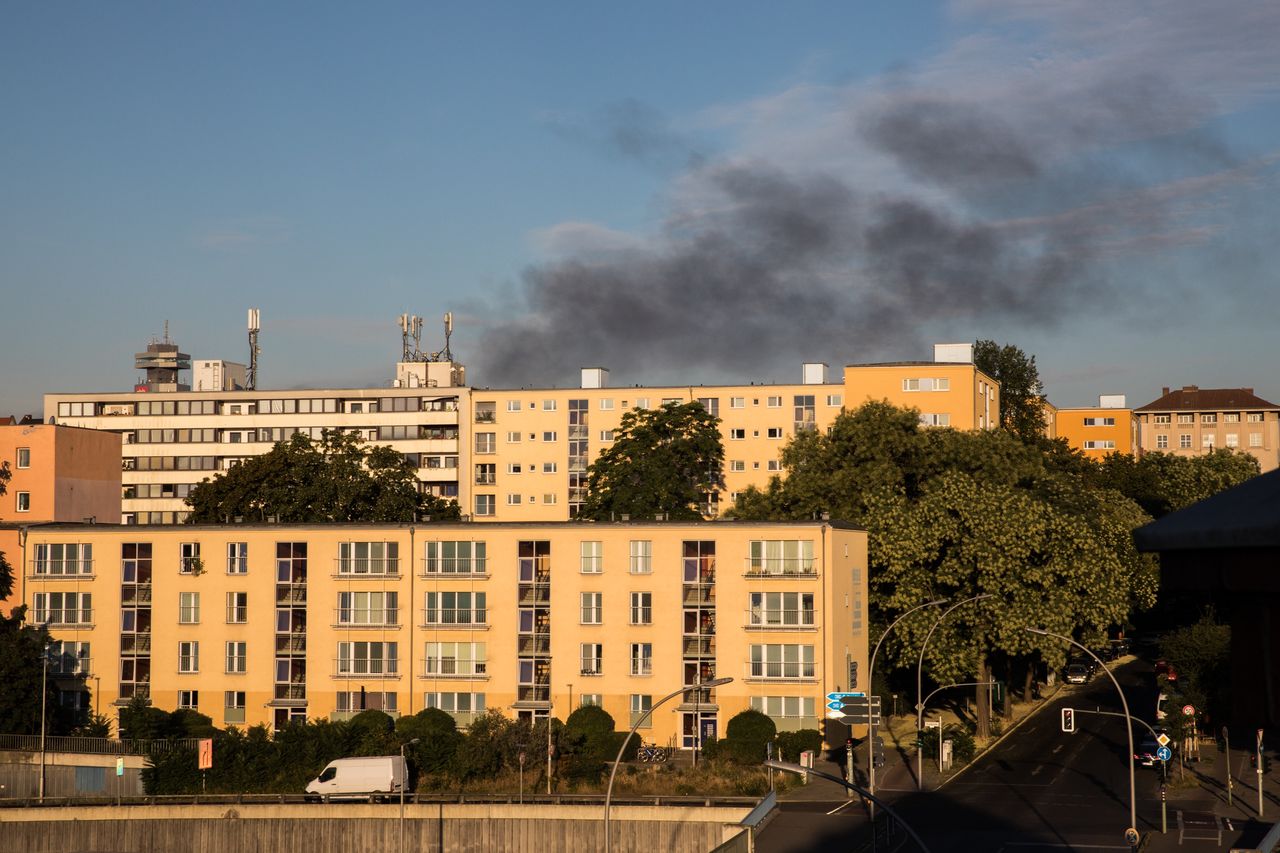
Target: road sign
1131, 836
839, 697
206, 753
1259, 738
1189, 710
1164, 753
853, 708
119, 766
1162, 739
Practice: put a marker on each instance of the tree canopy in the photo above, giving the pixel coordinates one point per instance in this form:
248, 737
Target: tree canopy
338, 478
664, 460
1161, 482
1021, 392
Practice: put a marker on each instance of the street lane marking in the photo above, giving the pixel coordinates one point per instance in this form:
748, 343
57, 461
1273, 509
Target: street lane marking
842, 805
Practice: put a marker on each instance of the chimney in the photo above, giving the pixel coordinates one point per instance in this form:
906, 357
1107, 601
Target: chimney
1164, 392
1190, 389
1247, 390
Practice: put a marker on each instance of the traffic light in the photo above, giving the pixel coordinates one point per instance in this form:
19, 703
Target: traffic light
1068, 720
877, 752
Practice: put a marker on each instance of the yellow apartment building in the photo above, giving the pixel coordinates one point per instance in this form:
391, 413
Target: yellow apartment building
1108, 427
268, 623
1191, 421
949, 391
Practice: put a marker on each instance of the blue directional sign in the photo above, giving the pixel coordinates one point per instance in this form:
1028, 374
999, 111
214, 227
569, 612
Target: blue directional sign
1164, 753
838, 697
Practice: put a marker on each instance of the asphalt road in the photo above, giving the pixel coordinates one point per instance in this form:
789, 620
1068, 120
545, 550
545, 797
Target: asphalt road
1039, 789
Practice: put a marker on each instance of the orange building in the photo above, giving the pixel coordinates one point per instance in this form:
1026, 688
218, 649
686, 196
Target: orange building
1108, 427
57, 473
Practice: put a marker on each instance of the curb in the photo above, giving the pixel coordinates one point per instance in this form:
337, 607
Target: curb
1044, 700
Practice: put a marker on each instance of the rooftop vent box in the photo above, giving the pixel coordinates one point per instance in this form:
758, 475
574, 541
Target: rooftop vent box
953, 353
595, 377
813, 373
1111, 401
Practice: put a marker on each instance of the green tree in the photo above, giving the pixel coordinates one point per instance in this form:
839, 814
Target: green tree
1162, 483
338, 478
662, 461
1021, 392
438, 740
746, 735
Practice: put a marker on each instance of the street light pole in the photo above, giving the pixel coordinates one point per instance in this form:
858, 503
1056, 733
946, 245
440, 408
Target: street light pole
44, 695
1124, 703
871, 670
404, 783
920, 683
608, 794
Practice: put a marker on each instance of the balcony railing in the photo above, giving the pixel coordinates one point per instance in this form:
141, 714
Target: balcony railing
351, 617
68, 665
55, 570
65, 618
779, 620
457, 618
451, 567
366, 667
291, 691
781, 567
366, 566
454, 668
486, 417
780, 670
642, 666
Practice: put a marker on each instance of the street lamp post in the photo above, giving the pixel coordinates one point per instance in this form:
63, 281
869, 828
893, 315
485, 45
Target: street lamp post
871, 669
1124, 703
920, 683
44, 695
608, 794
404, 783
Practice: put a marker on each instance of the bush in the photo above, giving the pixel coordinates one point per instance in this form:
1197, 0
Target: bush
438, 740
588, 741
962, 746
791, 744
746, 736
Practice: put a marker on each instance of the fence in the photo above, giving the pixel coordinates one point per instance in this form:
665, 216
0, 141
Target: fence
93, 745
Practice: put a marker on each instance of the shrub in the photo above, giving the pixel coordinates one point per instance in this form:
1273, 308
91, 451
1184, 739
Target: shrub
791, 744
746, 736
962, 746
588, 741
438, 740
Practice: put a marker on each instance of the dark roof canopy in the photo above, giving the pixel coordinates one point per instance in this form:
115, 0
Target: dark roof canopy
1246, 516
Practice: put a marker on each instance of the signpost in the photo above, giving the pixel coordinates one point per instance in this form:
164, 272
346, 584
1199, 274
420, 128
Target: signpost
1164, 753
853, 708
205, 759
1226, 742
1259, 756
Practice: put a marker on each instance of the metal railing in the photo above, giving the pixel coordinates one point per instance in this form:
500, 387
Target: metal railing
455, 567
467, 617
362, 667
781, 567
65, 618
453, 668
410, 798
779, 620
370, 617
364, 566
781, 670
93, 745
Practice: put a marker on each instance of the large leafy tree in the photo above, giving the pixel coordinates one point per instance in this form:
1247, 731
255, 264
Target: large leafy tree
338, 478
662, 461
1161, 482
1021, 392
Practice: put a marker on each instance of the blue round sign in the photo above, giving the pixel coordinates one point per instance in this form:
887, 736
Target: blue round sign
1164, 753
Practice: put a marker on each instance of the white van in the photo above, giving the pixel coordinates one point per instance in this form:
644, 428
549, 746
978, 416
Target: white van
352, 778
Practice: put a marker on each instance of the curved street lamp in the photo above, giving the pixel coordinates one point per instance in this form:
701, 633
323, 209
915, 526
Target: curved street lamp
1124, 703
608, 794
871, 669
920, 683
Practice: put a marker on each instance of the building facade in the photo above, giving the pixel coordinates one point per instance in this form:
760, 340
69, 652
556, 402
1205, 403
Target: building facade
505, 454
1108, 427
265, 624
1192, 421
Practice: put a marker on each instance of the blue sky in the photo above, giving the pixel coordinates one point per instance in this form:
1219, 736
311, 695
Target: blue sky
681, 192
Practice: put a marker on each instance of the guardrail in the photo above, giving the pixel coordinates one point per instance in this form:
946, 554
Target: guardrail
305, 799
93, 745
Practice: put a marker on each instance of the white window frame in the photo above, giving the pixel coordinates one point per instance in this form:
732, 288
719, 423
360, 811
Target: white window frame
237, 558
590, 557
237, 657
641, 660
189, 657
641, 556
591, 659
591, 608
641, 608
188, 608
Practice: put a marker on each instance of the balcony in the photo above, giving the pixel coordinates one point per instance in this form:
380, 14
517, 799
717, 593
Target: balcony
782, 671
366, 668
77, 618
69, 666
470, 619
454, 668
486, 416
449, 568
375, 567
780, 567
353, 618
779, 620
291, 644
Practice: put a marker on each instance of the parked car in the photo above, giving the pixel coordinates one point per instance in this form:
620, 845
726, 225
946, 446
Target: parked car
1121, 646
1105, 653
357, 778
1145, 752
1076, 673
1161, 701
1163, 667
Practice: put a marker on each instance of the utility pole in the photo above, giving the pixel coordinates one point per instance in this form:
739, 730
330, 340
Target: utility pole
1259, 756
1226, 742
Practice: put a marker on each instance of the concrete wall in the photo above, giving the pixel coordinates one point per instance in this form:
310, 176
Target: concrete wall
69, 775
433, 828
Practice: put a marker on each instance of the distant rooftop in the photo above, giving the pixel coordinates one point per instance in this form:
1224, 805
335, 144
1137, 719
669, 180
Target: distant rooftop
1192, 398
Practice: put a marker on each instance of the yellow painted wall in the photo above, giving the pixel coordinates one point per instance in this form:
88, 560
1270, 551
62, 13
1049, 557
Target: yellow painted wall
1071, 424
971, 399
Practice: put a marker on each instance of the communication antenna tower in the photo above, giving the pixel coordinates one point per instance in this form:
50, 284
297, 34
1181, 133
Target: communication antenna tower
445, 354
410, 336
251, 381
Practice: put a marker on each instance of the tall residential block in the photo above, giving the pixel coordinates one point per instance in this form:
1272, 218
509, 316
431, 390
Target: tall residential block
1191, 421
1109, 427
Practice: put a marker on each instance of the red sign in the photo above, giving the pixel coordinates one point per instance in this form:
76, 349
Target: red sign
206, 753
1189, 710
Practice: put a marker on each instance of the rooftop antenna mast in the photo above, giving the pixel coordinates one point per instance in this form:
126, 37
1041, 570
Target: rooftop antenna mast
251, 381
445, 354
411, 331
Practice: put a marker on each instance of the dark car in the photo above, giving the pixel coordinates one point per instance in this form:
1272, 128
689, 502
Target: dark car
1145, 752
1076, 673
1121, 647
1106, 653
1163, 667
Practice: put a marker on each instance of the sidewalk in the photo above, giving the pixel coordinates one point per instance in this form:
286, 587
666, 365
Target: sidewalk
1200, 788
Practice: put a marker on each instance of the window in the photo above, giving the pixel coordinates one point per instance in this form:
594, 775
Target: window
1186, 419
446, 659
237, 608
513, 499
369, 558
591, 561
58, 558
835, 400
190, 559
1254, 417
642, 659
775, 432
486, 474
1255, 439
514, 468
455, 558
69, 658
368, 658
926, 384
591, 607
513, 437
737, 434
23, 502
233, 706
24, 457
1107, 444
737, 402
592, 659
711, 404
188, 700
237, 558
1162, 441
781, 661
463, 706
548, 405
781, 557
788, 712
642, 402
641, 556
236, 656
189, 656
641, 608
938, 419
775, 402
368, 608
737, 465
606, 435
1099, 422
1161, 419
1207, 441
63, 608
1208, 418
355, 701
486, 412
485, 442
606, 404
548, 498
513, 405
188, 608
549, 435
780, 610
455, 608
548, 467
589, 699
641, 705
1233, 439
486, 504
1184, 441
